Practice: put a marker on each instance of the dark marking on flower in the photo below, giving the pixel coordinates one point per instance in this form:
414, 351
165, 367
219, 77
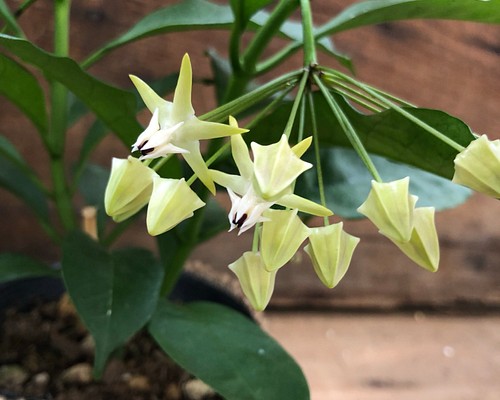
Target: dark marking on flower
239, 223
146, 151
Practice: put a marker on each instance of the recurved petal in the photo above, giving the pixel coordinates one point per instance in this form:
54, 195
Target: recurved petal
182, 108
256, 282
300, 148
234, 182
282, 236
196, 129
151, 99
197, 164
304, 205
241, 157
172, 201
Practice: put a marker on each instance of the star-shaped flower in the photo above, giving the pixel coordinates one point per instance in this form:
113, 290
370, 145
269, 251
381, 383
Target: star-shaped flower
174, 128
266, 181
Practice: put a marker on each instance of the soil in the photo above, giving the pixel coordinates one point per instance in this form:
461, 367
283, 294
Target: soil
46, 353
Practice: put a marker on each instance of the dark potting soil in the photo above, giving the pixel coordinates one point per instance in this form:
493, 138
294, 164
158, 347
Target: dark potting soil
46, 353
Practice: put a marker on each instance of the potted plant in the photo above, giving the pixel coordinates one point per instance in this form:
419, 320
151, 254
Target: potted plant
272, 167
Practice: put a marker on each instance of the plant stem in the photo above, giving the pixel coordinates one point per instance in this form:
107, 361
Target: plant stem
317, 155
291, 119
348, 130
59, 113
308, 34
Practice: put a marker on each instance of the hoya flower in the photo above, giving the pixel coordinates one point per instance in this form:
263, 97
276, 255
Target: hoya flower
174, 127
423, 246
266, 181
256, 282
129, 188
172, 201
330, 249
282, 235
390, 207
478, 166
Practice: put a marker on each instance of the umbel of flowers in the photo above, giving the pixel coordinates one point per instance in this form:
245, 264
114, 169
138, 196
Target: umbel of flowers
262, 193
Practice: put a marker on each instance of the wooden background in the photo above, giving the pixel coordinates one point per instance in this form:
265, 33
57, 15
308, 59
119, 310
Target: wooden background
454, 66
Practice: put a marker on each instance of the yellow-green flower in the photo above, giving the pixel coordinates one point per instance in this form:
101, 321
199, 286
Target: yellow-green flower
174, 127
129, 188
282, 234
330, 249
478, 166
256, 282
390, 207
266, 181
172, 201
423, 246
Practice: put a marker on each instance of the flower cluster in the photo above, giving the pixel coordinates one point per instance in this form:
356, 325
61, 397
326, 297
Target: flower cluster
262, 194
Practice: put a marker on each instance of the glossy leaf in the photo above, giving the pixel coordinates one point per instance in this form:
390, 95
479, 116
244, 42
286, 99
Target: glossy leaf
115, 294
19, 179
19, 266
347, 183
9, 19
115, 107
227, 351
21, 88
388, 134
379, 11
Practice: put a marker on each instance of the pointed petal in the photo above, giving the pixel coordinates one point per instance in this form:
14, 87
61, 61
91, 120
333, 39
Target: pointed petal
257, 283
276, 167
195, 129
241, 157
197, 164
152, 128
304, 205
151, 99
172, 201
182, 108
282, 236
234, 182
300, 148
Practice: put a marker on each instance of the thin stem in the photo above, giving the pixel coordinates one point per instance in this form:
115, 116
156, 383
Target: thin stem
291, 119
59, 113
276, 59
244, 102
302, 119
348, 130
308, 34
162, 162
405, 113
264, 35
355, 95
317, 155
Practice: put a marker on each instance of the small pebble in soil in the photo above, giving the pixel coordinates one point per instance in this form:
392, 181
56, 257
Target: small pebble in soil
196, 389
14, 375
77, 374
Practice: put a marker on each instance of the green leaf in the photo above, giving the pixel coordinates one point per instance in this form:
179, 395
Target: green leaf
19, 179
227, 351
9, 19
18, 266
22, 88
380, 11
388, 133
115, 294
115, 107
347, 182
243, 10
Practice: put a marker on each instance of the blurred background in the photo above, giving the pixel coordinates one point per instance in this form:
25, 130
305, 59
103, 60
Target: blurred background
452, 66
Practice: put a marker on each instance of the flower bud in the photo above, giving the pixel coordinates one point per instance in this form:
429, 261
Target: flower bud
390, 207
172, 201
330, 249
282, 236
423, 247
256, 282
128, 189
478, 166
